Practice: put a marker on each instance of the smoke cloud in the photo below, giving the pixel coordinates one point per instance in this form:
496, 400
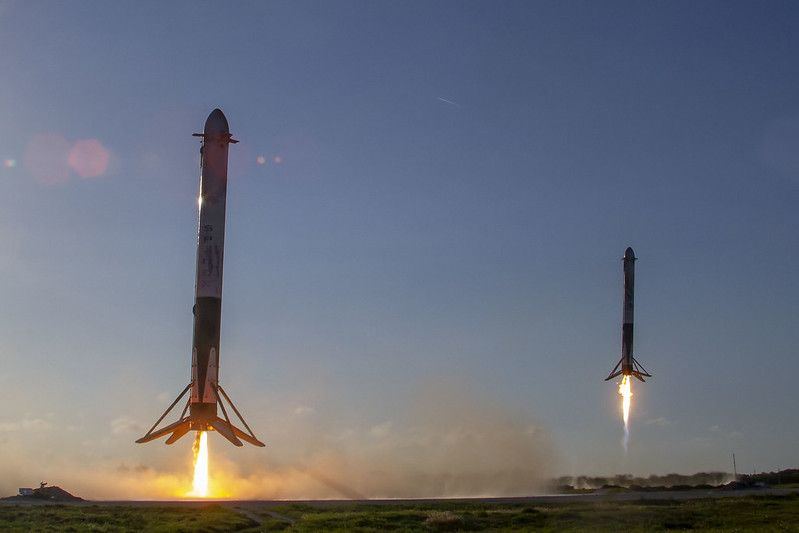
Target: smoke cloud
444, 442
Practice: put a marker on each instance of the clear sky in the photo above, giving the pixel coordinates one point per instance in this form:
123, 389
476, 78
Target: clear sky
426, 215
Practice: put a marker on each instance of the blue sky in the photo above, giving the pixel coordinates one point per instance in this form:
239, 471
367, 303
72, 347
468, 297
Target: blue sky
442, 199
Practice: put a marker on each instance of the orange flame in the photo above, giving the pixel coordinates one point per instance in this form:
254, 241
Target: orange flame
626, 393
200, 483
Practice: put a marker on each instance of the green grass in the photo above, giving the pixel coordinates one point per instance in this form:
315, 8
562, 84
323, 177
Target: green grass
752, 513
766, 513
106, 518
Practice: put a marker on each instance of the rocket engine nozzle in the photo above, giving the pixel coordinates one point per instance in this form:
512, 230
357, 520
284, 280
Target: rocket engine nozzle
200, 419
637, 370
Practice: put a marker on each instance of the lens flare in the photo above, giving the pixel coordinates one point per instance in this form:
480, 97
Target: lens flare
89, 158
626, 393
200, 483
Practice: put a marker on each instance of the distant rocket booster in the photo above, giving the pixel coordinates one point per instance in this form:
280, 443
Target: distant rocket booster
205, 392
628, 365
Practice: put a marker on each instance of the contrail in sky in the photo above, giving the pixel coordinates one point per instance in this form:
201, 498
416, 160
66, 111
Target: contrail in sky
450, 102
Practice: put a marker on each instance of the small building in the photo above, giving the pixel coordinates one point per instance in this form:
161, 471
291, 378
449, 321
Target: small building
25, 491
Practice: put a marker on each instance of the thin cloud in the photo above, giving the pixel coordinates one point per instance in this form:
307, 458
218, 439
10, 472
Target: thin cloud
124, 424
447, 101
380, 430
303, 410
28, 424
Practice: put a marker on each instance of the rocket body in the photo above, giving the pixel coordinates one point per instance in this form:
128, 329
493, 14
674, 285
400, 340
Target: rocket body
628, 365
210, 260
205, 394
628, 312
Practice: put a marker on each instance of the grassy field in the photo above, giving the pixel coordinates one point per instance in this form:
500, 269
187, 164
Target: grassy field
107, 518
753, 513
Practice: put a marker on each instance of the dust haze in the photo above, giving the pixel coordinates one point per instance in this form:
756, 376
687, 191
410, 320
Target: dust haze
443, 441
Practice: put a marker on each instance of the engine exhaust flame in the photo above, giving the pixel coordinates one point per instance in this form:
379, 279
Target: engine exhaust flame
626, 393
200, 483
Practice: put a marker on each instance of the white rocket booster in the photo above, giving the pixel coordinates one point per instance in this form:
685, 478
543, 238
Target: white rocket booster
206, 394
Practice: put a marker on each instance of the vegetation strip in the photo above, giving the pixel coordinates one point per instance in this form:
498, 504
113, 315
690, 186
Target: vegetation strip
737, 513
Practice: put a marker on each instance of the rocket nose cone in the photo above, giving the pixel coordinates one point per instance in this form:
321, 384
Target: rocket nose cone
629, 254
216, 123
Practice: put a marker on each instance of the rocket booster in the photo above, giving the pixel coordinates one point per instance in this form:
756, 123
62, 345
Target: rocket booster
628, 365
205, 393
